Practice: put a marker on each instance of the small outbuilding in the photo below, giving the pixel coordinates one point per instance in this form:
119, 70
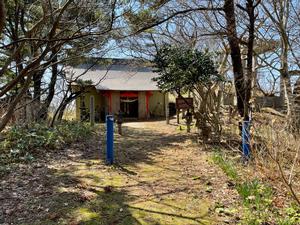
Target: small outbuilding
122, 85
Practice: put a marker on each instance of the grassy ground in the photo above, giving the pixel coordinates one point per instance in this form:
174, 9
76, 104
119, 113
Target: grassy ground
161, 176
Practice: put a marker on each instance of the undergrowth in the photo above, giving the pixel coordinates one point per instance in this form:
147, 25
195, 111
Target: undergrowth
226, 166
257, 198
25, 143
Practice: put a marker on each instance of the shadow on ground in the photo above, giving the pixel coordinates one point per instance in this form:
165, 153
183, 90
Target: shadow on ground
138, 145
144, 187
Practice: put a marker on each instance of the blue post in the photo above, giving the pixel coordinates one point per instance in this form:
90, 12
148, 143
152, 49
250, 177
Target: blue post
109, 139
246, 139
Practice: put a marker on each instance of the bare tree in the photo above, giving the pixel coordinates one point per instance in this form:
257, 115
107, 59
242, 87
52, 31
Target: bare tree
46, 40
279, 14
2, 15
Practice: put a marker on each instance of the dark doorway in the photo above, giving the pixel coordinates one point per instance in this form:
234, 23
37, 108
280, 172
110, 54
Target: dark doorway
130, 107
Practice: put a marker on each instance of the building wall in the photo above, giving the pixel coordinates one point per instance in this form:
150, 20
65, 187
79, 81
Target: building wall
157, 104
98, 102
142, 105
115, 100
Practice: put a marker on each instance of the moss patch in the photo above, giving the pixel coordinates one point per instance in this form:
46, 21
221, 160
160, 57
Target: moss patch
152, 182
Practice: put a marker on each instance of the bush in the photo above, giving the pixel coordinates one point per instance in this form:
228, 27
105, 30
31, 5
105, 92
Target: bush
292, 216
257, 198
256, 194
226, 165
24, 143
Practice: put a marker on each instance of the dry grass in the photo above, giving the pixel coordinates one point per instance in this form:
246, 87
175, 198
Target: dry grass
161, 176
275, 155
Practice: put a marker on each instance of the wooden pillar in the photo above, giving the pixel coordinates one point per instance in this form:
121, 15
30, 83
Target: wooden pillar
115, 102
110, 103
148, 95
188, 119
147, 106
177, 115
92, 110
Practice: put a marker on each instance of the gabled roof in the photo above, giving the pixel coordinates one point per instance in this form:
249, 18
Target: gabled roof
119, 75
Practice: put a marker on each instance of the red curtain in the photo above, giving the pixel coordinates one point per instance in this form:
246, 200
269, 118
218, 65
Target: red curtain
129, 94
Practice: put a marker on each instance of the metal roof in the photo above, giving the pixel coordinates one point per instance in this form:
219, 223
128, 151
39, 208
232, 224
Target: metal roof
118, 77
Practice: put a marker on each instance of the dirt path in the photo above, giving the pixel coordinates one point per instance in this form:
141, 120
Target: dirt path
161, 176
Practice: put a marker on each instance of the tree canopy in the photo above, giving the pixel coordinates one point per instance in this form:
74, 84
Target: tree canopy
180, 68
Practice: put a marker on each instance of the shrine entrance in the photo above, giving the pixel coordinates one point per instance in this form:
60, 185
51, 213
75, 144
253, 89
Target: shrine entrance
129, 104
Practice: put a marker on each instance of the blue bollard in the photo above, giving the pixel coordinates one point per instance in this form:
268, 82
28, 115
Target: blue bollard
246, 139
109, 139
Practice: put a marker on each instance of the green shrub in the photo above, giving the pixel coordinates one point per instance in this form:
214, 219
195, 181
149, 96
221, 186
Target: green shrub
255, 194
24, 143
226, 165
292, 216
74, 131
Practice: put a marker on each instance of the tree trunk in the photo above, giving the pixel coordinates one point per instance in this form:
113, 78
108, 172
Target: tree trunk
58, 115
10, 110
222, 71
37, 89
235, 53
61, 112
43, 112
296, 108
2, 15
250, 45
285, 85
